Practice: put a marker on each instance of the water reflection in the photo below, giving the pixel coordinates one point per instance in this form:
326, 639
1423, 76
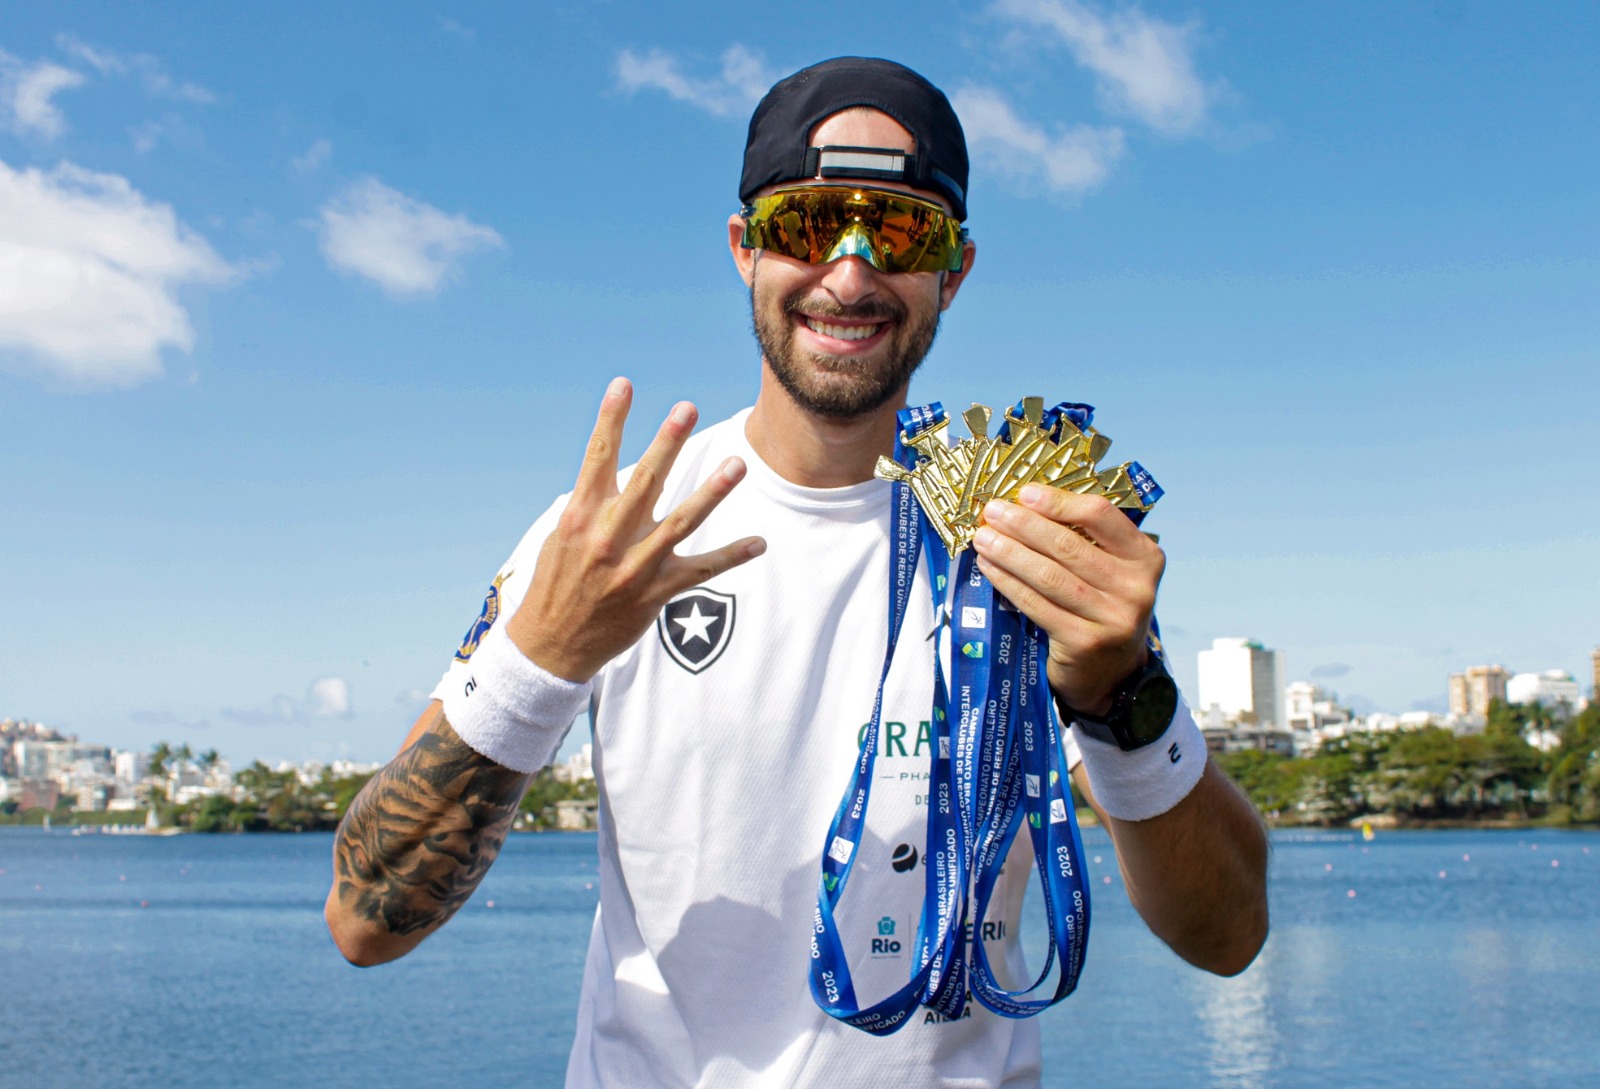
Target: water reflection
1486, 965
1241, 1039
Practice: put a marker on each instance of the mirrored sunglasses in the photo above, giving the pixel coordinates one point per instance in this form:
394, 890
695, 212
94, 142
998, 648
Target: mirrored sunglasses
891, 231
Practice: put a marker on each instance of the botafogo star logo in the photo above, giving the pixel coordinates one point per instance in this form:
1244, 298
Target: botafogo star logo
695, 627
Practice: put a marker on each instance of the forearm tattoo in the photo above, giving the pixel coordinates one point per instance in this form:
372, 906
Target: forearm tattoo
422, 833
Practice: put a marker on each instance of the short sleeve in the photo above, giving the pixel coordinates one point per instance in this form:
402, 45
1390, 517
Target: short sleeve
505, 594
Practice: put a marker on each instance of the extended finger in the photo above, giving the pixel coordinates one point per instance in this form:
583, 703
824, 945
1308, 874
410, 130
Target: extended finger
681, 572
597, 478
1042, 588
687, 516
1108, 526
645, 482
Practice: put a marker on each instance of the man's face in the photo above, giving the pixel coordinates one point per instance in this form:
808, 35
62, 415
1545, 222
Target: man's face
842, 338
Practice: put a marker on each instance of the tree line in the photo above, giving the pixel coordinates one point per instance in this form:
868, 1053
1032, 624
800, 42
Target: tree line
279, 801
1418, 775
1435, 774
265, 800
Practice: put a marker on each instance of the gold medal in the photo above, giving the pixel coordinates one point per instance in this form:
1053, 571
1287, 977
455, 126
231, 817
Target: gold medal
952, 483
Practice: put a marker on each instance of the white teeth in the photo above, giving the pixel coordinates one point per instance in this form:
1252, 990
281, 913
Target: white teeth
841, 332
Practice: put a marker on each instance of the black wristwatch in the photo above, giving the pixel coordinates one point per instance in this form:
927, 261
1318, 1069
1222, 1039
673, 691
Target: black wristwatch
1142, 707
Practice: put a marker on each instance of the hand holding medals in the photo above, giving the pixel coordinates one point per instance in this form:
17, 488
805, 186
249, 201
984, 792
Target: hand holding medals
1075, 568
997, 766
1059, 449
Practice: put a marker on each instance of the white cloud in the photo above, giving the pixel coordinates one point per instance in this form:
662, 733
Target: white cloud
26, 94
149, 71
89, 271
1069, 161
450, 26
329, 697
736, 90
405, 246
315, 156
103, 61
326, 697
1144, 66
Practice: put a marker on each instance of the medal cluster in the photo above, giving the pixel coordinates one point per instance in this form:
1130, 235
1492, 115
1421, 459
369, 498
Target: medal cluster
997, 765
1057, 448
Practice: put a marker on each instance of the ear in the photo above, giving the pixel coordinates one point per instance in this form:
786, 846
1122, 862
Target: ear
953, 280
743, 259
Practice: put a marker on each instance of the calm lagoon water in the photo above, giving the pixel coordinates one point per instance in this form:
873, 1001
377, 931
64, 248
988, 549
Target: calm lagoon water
1462, 959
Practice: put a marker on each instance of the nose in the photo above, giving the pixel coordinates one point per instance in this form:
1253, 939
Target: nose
850, 280
857, 241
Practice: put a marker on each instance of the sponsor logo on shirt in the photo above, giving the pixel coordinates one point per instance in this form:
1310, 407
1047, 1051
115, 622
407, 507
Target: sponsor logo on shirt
994, 930
904, 859
897, 739
885, 944
695, 627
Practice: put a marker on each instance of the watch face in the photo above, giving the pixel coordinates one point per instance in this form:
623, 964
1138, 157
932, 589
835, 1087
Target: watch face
1153, 707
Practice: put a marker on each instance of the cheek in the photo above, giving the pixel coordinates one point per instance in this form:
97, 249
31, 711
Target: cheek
763, 292
928, 299
773, 284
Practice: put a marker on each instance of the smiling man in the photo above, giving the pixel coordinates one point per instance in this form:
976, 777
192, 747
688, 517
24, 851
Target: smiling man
844, 344
729, 682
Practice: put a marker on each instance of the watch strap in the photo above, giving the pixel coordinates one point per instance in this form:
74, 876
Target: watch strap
1115, 727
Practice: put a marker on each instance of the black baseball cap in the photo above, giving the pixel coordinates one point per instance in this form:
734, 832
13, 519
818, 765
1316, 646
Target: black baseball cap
777, 150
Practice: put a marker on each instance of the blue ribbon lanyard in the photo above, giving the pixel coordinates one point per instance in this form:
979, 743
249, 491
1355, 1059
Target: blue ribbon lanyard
996, 758
944, 899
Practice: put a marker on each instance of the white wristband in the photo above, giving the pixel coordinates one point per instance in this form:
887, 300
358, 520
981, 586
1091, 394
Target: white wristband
1144, 783
509, 709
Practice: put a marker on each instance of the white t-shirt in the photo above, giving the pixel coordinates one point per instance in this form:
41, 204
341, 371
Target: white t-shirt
723, 742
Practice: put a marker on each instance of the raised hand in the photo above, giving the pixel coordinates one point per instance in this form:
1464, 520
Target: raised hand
609, 566
1076, 566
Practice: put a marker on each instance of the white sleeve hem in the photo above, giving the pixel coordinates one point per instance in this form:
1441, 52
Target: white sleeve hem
507, 708
1144, 783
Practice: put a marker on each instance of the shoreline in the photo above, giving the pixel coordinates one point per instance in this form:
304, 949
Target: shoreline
1379, 822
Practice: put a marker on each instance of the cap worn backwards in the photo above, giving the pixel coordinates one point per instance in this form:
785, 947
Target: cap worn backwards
778, 149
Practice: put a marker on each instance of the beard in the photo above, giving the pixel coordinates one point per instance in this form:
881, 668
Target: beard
826, 385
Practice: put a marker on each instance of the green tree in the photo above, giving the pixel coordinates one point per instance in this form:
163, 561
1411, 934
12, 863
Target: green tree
1573, 783
545, 790
1273, 782
1422, 772
344, 791
217, 813
161, 757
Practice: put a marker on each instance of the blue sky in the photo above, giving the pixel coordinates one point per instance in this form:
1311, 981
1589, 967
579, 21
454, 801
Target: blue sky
304, 316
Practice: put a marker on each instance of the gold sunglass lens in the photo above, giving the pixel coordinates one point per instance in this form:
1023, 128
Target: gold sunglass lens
894, 233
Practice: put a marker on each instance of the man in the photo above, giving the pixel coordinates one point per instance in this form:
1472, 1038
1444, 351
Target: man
728, 682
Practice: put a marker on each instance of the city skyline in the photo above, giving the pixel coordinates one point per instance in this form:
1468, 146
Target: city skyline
319, 308
1246, 686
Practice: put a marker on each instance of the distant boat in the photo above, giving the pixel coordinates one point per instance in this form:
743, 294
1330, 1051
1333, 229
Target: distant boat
1366, 831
